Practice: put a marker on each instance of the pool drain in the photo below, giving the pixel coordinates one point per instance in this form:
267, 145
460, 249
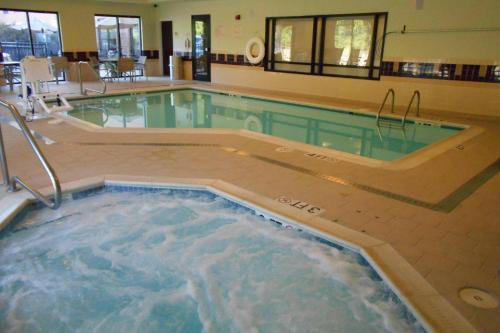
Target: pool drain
478, 298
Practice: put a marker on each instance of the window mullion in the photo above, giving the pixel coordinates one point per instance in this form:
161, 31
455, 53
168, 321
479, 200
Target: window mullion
273, 33
118, 38
322, 45
140, 37
374, 45
266, 58
29, 33
313, 50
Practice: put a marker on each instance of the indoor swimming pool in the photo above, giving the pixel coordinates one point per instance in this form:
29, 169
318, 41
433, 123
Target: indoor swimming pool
119, 259
344, 131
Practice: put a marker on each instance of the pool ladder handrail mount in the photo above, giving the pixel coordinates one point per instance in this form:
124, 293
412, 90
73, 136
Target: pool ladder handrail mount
12, 182
80, 81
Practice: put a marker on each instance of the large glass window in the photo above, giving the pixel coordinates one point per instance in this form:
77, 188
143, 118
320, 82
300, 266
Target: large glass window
118, 36
333, 45
293, 44
24, 33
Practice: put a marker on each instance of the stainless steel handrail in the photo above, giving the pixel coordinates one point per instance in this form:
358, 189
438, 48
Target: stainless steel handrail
79, 74
3, 160
389, 92
415, 93
12, 182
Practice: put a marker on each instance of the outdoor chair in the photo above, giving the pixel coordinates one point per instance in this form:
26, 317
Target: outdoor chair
125, 67
141, 65
58, 66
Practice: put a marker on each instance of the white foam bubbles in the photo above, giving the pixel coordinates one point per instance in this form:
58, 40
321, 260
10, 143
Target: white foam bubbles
185, 261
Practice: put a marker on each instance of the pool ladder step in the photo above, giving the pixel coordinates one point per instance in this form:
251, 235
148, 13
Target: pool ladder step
390, 124
399, 123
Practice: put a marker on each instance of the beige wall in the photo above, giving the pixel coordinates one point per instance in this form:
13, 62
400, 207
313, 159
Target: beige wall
453, 96
229, 35
77, 19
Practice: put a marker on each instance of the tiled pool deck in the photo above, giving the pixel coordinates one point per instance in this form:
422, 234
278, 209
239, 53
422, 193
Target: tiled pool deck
450, 248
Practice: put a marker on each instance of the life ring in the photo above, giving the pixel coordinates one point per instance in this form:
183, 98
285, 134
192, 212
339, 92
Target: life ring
254, 124
254, 60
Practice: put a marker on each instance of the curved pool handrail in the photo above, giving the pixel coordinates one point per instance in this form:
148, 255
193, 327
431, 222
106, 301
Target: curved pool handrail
417, 94
389, 92
11, 182
79, 75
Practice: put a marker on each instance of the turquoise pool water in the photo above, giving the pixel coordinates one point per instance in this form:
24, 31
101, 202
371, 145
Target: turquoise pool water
134, 260
344, 131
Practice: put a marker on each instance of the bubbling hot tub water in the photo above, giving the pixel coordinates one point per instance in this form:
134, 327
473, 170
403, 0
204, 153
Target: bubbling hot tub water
182, 261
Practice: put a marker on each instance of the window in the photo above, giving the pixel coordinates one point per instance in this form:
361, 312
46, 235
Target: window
24, 33
292, 47
333, 45
118, 36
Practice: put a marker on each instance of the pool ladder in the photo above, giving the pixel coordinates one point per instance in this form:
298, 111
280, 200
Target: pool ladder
84, 91
12, 182
390, 92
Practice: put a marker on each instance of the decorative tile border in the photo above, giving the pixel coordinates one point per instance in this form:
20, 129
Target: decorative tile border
438, 71
423, 70
183, 55
84, 55
220, 58
151, 54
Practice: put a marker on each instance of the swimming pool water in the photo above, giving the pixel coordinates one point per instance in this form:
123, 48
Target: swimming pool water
188, 108
111, 260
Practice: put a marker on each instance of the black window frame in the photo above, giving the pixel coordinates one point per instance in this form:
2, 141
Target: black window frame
118, 38
27, 11
318, 47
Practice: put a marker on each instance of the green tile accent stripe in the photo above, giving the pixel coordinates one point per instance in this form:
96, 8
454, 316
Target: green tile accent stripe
460, 194
151, 144
446, 205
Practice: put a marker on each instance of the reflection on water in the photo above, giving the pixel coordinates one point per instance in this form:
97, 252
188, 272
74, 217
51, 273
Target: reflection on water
351, 133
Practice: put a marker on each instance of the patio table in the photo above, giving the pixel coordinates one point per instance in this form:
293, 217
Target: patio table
11, 72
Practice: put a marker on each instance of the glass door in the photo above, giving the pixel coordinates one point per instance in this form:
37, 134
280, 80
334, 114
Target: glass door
118, 36
130, 36
200, 27
107, 37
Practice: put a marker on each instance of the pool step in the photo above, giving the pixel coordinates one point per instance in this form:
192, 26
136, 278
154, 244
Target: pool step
390, 124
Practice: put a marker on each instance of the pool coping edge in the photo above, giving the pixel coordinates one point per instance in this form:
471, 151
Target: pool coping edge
409, 161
